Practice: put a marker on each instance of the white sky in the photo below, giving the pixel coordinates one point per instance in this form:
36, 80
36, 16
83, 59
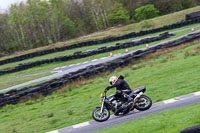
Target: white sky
5, 4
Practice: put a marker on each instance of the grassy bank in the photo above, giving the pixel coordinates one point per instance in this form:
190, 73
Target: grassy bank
115, 31
164, 74
171, 121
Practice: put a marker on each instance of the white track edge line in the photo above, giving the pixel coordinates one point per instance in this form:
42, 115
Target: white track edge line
56, 131
71, 65
63, 67
170, 101
56, 68
95, 60
81, 125
197, 93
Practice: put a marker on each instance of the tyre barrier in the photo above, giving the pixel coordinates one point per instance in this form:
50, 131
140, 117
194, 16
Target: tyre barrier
79, 54
193, 129
194, 15
105, 40
14, 96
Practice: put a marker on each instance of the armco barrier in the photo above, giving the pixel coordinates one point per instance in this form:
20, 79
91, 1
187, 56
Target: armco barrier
14, 96
95, 42
79, 54
193, 129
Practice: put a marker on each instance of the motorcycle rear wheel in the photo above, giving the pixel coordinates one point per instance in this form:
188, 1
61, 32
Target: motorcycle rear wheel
100, 117
143, 103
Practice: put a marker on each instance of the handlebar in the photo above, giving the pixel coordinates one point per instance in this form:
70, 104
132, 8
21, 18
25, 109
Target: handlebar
105, 91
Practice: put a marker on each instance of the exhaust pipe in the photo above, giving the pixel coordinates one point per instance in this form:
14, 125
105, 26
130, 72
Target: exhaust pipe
134, 101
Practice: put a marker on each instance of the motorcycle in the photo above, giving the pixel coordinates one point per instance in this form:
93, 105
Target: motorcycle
113, 102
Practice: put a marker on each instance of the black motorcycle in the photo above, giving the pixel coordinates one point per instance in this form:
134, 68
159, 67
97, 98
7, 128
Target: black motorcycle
113, 102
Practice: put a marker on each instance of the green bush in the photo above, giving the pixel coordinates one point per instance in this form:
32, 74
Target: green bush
118, 14
69, 26
146, 12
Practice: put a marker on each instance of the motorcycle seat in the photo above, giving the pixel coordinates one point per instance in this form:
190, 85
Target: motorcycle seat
139, 88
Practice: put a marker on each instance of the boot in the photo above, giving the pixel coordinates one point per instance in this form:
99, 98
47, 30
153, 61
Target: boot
116, 111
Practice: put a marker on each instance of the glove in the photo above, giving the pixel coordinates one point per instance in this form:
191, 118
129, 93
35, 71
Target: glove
107, 88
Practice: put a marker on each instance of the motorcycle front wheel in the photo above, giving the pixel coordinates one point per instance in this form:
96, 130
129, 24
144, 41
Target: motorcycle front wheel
143, 103
100, 117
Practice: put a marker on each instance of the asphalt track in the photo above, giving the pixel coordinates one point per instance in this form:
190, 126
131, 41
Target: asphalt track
91, 126
60, 71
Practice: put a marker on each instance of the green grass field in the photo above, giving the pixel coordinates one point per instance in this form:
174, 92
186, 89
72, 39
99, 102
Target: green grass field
164, 74
116, 31
171, 121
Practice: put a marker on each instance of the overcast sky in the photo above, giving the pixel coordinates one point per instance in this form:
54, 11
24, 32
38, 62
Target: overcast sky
5, 4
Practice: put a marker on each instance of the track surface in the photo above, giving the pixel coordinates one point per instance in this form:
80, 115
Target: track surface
74, 67
91, 126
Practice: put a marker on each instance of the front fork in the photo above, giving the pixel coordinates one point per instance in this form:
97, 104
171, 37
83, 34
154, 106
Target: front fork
102, 105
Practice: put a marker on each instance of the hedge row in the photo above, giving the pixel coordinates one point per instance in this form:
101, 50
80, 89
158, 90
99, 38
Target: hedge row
14, 96
95, 42
79, 54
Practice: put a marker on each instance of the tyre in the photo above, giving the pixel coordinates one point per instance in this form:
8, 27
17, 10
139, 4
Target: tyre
143, 103
100, 117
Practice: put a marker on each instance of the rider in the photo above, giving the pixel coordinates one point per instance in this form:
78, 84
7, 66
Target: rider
121, 85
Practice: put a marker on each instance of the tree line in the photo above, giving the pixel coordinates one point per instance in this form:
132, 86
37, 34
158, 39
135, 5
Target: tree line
42, 22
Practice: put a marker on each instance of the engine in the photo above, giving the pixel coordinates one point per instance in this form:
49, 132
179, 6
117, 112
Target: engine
117, 102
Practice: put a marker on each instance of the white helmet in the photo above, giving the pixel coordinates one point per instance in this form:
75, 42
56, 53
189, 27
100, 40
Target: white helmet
113, 79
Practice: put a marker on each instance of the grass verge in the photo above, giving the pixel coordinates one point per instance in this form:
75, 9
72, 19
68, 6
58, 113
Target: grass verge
164, 73
9, 81
32, 84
